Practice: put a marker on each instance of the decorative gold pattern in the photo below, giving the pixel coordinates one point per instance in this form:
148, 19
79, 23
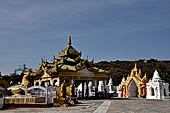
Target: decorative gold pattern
140, 82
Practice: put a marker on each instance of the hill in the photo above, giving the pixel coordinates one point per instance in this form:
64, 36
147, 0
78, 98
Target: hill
123, 68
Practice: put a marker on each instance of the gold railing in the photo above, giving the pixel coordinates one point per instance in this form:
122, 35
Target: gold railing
24, 100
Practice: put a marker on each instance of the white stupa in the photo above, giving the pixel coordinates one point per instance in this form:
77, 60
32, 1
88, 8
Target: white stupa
110, 87
156, 75
118, 88
91, 89
123, 80
157, 88
101, 86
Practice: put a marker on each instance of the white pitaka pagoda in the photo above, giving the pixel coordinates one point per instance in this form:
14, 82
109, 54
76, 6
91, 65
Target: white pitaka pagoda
101, 91
101, 86
110, 87
157, 88
119, 88
91, 89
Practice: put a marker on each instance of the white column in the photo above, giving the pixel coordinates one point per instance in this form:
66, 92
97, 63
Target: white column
51, 82
58, 81
95, 83
85, 87
39, 83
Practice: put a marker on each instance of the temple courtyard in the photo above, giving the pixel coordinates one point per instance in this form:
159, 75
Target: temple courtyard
117, 105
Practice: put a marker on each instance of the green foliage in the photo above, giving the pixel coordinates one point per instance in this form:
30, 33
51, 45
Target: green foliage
16, 76
123, 68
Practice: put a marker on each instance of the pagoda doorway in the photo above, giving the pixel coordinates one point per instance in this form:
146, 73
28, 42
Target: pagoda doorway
133, 89
46, 83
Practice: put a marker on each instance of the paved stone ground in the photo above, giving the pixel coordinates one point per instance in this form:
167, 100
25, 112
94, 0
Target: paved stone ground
85, 106
139, 106
104, 106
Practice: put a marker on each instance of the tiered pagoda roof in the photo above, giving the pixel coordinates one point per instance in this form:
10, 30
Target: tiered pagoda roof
70, 61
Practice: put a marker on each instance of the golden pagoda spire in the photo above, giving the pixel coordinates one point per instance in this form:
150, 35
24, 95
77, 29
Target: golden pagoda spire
69, 41
140, 73
135, 68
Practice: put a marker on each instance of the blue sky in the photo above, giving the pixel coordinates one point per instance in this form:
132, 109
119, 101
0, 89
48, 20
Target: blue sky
101, 29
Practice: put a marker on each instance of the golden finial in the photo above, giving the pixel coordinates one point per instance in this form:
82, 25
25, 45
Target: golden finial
69, 41
135, 68
145, 75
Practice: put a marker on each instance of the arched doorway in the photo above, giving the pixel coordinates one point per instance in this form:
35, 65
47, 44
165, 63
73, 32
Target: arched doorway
133, 89
46, 83
152, 91
165, 92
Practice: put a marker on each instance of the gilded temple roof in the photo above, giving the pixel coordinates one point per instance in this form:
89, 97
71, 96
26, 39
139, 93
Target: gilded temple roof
69, 51
67, 67
70, 61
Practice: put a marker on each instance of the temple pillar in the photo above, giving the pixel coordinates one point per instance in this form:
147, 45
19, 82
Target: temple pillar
95, 83
58, 81
122, 92
105, 81
39, 82
34, 83
96, 88
87, 89
82, 89
51, 82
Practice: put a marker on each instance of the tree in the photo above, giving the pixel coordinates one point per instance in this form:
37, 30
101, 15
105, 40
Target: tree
18, 74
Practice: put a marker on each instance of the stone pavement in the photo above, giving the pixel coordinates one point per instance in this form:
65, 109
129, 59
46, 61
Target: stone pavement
139, 106
85, 106
104, 106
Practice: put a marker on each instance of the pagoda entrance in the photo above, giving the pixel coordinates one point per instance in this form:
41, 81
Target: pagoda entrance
133, 89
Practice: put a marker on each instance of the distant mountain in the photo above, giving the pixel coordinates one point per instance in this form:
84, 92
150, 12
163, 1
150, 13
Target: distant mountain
123, 68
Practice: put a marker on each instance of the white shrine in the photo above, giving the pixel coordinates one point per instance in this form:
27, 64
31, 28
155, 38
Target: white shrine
91, 89
101, 86
110, 88
157, 88
119, 88
101, 91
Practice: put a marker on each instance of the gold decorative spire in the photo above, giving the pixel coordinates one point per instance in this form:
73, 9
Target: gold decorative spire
135, 68
69, 41
140, 71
